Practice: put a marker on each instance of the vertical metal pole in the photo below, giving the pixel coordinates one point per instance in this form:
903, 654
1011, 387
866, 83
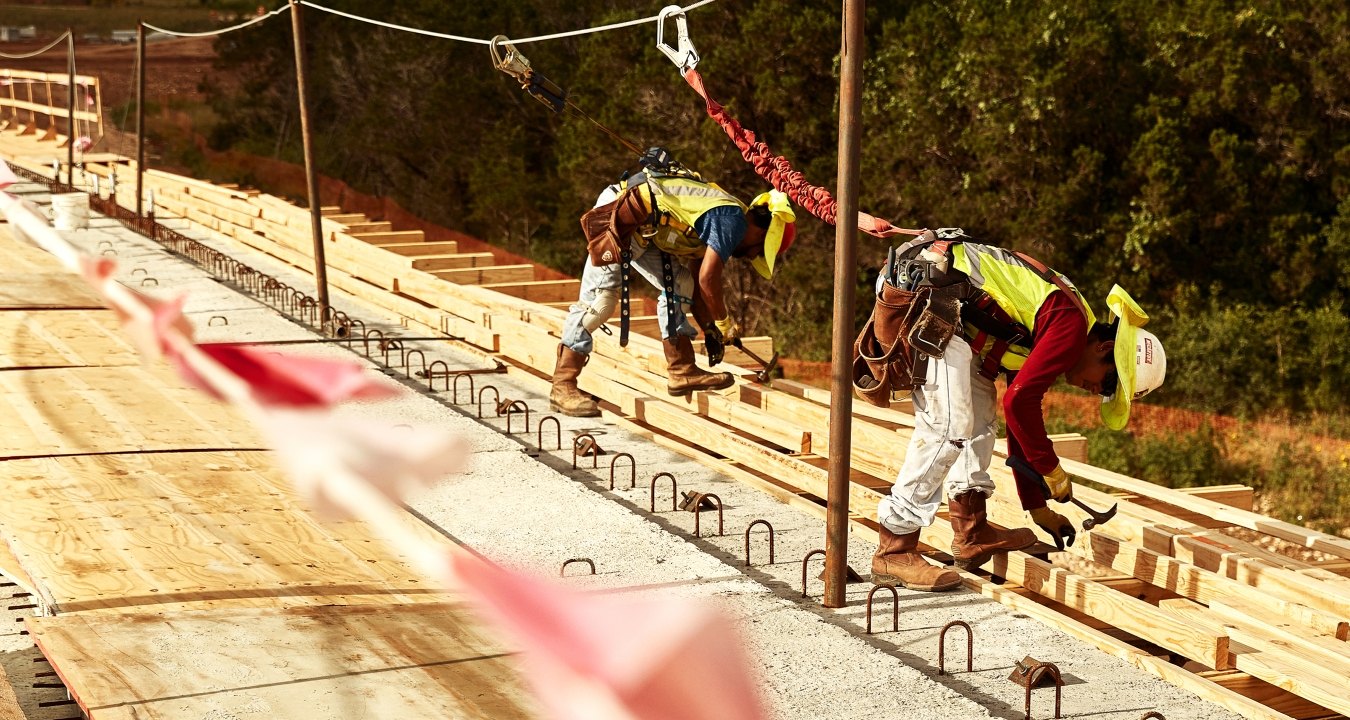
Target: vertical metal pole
140, 117
70, 109
311, 172
845, 276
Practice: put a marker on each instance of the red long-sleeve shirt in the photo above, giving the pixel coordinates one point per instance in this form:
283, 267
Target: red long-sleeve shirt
1058, 341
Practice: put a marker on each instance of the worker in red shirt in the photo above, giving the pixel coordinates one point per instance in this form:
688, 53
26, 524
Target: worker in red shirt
1024, 320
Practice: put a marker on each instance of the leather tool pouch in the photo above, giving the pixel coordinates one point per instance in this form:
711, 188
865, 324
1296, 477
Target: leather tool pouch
883, 361
935, 325
609, 228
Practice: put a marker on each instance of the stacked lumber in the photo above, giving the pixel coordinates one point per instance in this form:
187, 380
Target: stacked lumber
1181, 583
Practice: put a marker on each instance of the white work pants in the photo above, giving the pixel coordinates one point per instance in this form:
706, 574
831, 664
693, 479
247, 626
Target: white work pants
954, 412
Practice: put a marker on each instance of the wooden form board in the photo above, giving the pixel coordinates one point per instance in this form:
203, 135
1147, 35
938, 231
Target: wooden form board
63, 411
333, 663
63, 338
191, 529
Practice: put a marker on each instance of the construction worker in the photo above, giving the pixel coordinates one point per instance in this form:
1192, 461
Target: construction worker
671, 226
1021, 319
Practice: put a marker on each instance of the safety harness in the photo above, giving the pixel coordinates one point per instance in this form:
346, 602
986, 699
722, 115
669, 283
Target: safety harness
954, 301
656, 163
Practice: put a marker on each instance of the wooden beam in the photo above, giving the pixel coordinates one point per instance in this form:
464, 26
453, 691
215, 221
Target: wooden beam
369, 227
448, 247
449, 261
484, 275
1127, 613
1301, 536
540, 291
393, 236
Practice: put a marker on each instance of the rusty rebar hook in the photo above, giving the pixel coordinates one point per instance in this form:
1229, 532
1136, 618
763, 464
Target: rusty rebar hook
392, 344
455, 389
557, 425
496, 395
632, 468
407, 362
588, 561
515, 408
806, 560
1152, 715
431, 374
698, 506
750, 527
942, 646
895, 606
674, 490
365, 341
1035, 676
583, 444
211, 321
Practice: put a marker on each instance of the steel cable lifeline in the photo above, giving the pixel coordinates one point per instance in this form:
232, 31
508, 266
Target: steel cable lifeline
221, 31
536, 38
506, 58
25, 56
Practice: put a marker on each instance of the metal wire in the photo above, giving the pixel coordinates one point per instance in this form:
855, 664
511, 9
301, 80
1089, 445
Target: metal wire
55, 42
221, 31
479, 41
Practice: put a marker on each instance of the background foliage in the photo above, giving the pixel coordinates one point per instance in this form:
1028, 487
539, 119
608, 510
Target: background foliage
1197, 153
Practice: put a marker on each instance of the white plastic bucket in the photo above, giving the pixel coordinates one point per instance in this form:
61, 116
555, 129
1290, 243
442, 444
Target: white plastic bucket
70, 211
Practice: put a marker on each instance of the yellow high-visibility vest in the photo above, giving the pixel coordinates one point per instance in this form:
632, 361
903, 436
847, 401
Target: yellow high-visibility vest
1014, 286
674, 203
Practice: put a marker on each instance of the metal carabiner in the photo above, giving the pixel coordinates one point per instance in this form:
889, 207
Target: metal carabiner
684, 56
514, 63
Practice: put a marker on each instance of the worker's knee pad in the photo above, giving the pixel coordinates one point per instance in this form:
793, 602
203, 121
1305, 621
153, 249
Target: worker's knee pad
601, 309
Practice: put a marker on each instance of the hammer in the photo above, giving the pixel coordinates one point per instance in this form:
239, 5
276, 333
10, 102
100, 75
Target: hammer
1022, 467
766, 368
1098, 518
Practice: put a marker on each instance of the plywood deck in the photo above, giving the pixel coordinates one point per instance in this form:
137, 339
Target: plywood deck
62, 338
67, 411
427, 661
189, 529
52, 289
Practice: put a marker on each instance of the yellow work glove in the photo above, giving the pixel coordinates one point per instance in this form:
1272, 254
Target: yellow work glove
1061, 487
1057, 525
729, 329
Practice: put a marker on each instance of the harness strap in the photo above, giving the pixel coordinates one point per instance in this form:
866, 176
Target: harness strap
673, 309
625, 262
1051, 276
992, 364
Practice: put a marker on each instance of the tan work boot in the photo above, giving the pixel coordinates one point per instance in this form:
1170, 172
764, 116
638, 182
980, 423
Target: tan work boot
897, 561
685, 376
565, 397
974, 540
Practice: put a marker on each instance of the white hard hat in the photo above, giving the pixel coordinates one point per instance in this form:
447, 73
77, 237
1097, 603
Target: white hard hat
1141, 364
1150, 363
